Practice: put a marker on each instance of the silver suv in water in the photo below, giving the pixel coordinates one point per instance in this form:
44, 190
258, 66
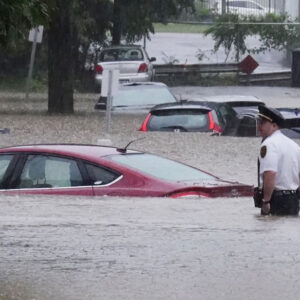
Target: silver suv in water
132, 61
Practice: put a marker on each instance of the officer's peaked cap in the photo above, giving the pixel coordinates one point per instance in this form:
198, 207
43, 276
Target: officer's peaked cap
270, 114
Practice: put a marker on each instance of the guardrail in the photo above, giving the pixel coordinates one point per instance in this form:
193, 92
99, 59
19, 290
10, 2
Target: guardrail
181, 69
174, 73
265, 77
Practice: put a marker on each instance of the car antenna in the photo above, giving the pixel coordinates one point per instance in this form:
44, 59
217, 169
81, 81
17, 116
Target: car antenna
124, 149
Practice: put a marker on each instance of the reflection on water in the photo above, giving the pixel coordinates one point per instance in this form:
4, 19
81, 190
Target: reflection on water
152, 248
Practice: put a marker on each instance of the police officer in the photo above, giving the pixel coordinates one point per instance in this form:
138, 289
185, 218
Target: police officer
279, 166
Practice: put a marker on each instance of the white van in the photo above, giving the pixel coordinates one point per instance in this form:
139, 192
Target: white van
242, 7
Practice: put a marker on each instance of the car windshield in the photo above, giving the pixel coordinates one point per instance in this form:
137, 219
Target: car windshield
121, 54
160, 167
188, 119
141, 96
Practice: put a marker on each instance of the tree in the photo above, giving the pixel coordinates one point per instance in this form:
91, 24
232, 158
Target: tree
60, 59
134, 19
274, 32
17, 16
230, 33
92, 21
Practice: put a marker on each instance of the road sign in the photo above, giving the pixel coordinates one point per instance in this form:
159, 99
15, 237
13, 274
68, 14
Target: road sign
36, 34
248, 65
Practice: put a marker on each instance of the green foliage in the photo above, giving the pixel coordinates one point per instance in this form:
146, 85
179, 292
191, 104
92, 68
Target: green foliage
231, 31
92, 22
92, 19
137, 16
17, 16
277, 36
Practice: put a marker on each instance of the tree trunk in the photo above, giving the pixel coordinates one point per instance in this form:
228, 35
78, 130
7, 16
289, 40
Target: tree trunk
60, 59
117, 26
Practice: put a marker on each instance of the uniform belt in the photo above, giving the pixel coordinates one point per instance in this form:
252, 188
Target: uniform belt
284, 192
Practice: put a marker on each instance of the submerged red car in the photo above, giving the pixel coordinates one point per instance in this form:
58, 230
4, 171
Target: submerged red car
90, 170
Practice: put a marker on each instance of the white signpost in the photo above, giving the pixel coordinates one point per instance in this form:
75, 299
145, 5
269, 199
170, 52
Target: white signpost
35, 36
109, 87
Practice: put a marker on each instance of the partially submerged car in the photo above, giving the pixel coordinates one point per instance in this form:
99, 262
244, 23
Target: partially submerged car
218, 118
90, 170
185, 116
138, 97
132, 60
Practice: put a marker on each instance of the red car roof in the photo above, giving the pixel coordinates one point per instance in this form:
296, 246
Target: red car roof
75, 150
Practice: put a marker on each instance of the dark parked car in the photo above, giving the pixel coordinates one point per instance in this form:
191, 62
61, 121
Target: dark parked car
181, 116
91, 170
138, 96
203, 116
233, 115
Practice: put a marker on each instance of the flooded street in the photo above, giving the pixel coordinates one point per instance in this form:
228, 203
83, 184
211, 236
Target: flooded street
76, 248
112, 248
184, 47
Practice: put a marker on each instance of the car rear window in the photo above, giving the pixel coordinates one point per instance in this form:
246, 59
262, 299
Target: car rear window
160, 167
145, 95
191, 120
126, 54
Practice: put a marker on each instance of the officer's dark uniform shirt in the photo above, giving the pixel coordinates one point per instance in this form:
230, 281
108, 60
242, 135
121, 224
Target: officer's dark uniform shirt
280, 154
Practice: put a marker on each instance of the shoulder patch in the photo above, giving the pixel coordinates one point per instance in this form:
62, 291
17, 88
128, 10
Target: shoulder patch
263, 151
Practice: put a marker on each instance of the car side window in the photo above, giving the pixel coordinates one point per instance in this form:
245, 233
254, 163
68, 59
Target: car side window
100, 175
4, 163
226, 114
41, 171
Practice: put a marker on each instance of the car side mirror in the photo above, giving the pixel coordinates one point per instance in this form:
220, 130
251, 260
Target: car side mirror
152, 59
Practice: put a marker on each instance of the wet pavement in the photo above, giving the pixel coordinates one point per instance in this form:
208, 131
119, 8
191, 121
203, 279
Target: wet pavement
75, 248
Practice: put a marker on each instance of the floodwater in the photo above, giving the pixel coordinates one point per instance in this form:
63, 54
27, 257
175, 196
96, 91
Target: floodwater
76, 248
113, 248
185, 48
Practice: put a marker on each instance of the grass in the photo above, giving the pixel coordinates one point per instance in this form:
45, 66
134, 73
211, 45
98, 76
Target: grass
180, 28
18, 83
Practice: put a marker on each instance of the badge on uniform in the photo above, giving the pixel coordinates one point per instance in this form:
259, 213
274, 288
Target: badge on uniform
263, 151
